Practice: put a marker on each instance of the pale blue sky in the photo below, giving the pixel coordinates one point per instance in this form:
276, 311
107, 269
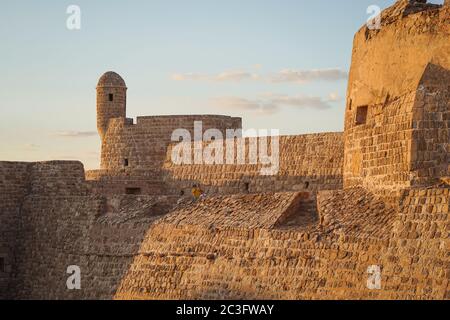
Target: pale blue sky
49, 73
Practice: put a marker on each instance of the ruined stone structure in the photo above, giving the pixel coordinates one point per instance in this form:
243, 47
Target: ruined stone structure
375, 195
397, 102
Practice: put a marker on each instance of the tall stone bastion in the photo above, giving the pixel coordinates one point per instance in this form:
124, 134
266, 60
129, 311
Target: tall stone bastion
362, 214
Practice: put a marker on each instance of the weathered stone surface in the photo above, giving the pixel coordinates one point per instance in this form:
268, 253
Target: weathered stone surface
378, 194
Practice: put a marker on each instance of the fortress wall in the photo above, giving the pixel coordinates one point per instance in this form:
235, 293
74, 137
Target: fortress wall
99, 235
418, 256
391, 61
223, 262
378, 153
189, 261
13, 187
57, 178
307, 162
246, 264
250, 246
144, 144
117, 181
18, 181
126, 251
52, 237
404, 142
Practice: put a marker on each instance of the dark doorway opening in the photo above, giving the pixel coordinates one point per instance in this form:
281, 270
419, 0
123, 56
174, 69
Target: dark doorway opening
361, 115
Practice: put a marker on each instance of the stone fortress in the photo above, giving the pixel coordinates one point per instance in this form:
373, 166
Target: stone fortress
375, 195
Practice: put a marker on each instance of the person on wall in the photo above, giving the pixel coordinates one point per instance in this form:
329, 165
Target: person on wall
197, 192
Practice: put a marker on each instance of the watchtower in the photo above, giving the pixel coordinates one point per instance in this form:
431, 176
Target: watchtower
111, 100
397, 115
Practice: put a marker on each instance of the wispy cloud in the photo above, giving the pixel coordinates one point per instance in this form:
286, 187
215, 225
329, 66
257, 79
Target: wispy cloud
304, 76
272, 103
232, 76
283, 76
31, 146
76, 134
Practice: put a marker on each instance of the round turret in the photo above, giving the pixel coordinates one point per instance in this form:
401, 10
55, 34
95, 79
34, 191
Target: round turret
111, 79
111, 100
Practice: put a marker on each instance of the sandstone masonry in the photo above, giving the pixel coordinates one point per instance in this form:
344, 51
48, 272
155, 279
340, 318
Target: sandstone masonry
377, 194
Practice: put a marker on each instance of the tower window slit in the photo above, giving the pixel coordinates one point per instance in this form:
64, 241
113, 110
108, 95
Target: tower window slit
361, 115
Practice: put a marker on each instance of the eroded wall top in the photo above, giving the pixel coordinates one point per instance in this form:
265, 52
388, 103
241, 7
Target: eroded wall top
389, 61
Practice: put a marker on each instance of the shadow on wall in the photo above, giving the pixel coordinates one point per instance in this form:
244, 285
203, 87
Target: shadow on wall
82, 231
183, 257
431, 121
